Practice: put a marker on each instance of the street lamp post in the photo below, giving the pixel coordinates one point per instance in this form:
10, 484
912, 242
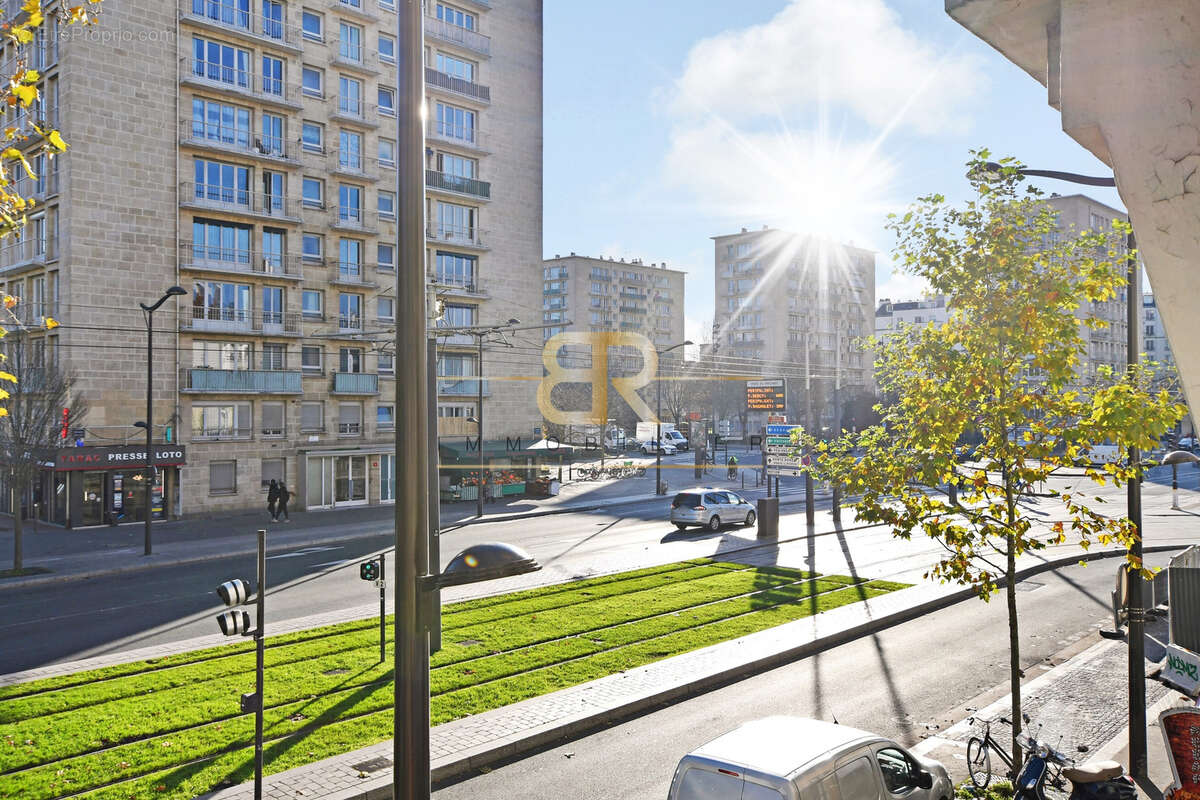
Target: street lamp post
1136, 612
658, 486
174, 291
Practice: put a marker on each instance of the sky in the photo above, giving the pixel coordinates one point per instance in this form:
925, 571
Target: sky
670, 122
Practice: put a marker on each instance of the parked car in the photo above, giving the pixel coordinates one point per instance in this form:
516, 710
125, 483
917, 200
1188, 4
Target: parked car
664, 447
1187, 443
711, 508
790, 758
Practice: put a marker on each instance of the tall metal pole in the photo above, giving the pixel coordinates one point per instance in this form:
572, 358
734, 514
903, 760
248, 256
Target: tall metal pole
410, 741
149, 425
382, 608
658, 432
259, 647
434, 606
479, 417
1137, 646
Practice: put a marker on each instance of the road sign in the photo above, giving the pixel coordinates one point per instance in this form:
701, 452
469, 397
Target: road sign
790, 472
766, 395
782, 430
784, 461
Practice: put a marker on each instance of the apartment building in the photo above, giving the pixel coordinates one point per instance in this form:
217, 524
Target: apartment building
797, 306
890, 316
1155, 344
246, 152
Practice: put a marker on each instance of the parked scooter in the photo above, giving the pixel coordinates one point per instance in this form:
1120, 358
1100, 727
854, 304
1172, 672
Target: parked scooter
1097, 780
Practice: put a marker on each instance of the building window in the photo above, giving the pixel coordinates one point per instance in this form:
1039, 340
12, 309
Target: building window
459, 316
385, 418
272, 420
221, 62
350, 203
272, 470
350, 260
312, 82
350, 311
387, 49
314, 192
387, 205
272, 135
311, 246
222, 183
386, 256
455, 221
272, 305
310, 357
350, 96
387, 101
349, 419
274, 357
455, 123
222, 477
229, 421
350, 359
221, 355
456, 67
350, 42
221, 242
228, 12
215, 300
311, 305
387, 364
385, 306
387, 152
313, 137
454, 269
272, 75
350, 150
218, 122
460, 19
456, 411
312, 417
313, 26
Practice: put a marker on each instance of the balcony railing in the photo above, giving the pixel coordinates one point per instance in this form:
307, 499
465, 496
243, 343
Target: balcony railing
356, 219
28, 251
464, 285
456, 234
33, 313
454, 183
461, 135
349, 272
241, 381
459, 86
212, 75
461, 386
198, 133
235, 320
44, 185
355, 383
226, 17
355, 109
224, 433
355, 56
250, 262
356, 7
238, 201
456, 34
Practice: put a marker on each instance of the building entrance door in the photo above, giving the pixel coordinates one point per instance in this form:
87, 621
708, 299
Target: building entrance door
92, 510
350, 480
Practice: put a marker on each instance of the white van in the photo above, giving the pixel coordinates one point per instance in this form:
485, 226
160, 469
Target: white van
790, 758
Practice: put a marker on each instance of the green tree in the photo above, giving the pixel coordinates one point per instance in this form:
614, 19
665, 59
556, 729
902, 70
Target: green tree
1002, 368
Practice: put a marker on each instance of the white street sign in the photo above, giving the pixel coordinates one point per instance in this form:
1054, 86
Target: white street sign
784, 461
785, 471
1182, 668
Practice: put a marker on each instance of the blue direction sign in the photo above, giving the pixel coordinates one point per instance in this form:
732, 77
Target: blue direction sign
781, 430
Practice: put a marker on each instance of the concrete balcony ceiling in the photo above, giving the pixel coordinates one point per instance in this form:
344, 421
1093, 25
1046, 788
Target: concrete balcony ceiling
1127, 81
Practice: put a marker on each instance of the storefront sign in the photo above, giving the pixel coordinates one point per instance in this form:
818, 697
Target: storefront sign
117, 457
1181, 730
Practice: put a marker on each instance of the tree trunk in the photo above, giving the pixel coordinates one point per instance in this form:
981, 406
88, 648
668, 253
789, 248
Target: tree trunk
1014, 643
18, 557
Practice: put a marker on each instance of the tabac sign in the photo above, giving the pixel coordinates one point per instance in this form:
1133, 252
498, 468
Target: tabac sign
116, 457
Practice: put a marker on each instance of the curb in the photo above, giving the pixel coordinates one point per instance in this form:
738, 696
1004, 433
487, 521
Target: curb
45, 580
448, 770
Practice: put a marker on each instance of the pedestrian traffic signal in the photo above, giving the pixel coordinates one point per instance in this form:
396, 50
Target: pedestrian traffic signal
369, 570
234, 622
234, 593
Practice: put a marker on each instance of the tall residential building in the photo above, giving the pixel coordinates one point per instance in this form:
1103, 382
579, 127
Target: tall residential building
797, 305
1104, 346
1155, 343
890, 316
271, 200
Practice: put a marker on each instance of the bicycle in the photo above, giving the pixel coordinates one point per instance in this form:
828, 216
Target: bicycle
979, 758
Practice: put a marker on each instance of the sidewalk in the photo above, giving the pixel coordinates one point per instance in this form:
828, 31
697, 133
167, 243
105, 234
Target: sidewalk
77, 554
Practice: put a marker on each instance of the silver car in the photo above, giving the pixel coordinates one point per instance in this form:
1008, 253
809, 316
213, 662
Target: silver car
711, 508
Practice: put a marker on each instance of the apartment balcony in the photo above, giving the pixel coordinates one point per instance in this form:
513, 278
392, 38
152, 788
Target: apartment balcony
457, 235
40, 187
459, 87
455, 340
211, 197
355, 383
632, 310
452, 287
468, 187
354, 8
354, 166
228, 433
469, 138
354, 110
240, 381
28, 253
632, 296
462, 386
355, 57
248, 27
550, 291
218, 138
350, 324
444, 31
34, 313
358, 221
240, 83
456, 426
347, 273
234, 320
244, 262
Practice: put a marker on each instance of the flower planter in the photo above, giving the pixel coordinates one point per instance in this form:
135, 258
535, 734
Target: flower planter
468, 493
512, 488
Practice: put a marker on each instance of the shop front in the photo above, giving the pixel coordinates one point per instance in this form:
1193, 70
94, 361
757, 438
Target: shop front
342, 479
107, 485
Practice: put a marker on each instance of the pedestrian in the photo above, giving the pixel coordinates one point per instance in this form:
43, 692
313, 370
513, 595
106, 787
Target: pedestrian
284, 496
272, 499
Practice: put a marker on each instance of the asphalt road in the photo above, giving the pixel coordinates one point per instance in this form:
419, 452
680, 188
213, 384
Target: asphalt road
891, 683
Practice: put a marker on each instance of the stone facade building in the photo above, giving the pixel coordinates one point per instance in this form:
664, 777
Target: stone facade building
246, 152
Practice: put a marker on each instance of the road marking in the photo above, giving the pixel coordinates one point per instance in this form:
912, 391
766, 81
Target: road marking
334, 563
305, 552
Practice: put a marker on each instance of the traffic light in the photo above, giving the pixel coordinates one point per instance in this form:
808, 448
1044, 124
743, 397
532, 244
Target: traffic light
234, 593
369, 570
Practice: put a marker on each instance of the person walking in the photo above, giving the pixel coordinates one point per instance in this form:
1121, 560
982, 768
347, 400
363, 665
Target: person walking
272, 499
284, 497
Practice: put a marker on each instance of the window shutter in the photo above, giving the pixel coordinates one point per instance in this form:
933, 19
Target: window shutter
311, 417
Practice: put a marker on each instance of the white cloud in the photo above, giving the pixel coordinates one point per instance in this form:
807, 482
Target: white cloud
853, 55
901, 287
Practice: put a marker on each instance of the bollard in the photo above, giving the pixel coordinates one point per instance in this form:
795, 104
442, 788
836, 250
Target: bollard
809, 503
768, 518
837, 502
1175, 487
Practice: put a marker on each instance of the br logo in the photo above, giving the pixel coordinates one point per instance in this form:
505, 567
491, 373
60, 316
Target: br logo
596, 375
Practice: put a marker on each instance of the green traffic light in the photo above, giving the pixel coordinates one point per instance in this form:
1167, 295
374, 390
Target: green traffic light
369, 570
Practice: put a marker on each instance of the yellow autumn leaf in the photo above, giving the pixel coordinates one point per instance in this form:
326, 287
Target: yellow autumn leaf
3, 411
35, 19
31, 6
10, 301
8, 376
51, 323
56, 141
25, 94
21, 35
